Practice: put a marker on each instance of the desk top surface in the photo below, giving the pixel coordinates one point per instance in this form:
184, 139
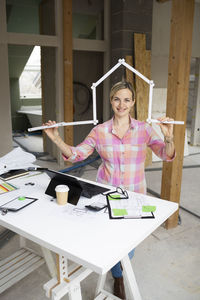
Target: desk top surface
88, 238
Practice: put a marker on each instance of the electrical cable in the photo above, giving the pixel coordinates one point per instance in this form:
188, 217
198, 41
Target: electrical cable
160, 169
80, 165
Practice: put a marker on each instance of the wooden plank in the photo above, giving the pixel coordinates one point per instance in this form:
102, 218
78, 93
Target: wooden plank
12, 263
130, 78
24, 272
14, 255
143, 65
68, 70
17, 266
177, 96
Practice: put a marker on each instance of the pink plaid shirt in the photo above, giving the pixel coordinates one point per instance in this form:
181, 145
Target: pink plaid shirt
122, 159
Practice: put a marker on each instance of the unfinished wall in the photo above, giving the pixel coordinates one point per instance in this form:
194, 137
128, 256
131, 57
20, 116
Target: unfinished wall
86, 75
5, 111
128, 17
161, 39
87, 65
160, 55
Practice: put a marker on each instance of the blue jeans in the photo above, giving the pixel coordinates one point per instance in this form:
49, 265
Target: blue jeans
117, 270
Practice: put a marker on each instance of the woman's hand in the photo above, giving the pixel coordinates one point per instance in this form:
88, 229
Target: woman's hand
167, 129
52, 133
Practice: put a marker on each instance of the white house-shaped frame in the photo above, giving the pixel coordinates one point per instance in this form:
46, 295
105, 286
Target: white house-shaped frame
151, 85
122, 62
93, 87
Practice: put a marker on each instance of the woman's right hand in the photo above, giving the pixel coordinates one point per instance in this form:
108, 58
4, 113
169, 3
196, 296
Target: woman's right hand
51, 132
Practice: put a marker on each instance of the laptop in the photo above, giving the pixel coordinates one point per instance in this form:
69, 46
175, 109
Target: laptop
77, 187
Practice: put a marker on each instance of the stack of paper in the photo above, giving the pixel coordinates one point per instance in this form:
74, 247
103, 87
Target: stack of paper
16, 159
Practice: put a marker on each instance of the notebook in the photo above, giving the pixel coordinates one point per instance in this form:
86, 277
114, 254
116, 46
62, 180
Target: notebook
13, 174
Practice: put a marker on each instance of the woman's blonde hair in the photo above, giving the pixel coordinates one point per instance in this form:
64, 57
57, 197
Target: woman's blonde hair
121, 85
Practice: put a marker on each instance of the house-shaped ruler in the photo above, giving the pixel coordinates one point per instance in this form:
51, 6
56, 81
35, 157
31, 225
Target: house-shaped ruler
93, 87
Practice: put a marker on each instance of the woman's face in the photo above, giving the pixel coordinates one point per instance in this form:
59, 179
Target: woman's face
122, 102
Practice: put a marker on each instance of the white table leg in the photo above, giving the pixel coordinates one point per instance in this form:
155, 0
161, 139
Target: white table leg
75, 292
47, 256
22, 242
62, 268
130, 278
100, 283
49, 261
67, 280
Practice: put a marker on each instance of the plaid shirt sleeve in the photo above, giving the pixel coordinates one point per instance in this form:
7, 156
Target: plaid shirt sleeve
84, 149
157, 145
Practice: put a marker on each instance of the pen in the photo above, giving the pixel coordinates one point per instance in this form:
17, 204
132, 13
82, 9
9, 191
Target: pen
30, 198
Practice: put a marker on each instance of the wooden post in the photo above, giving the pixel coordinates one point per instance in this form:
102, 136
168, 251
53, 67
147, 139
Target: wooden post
177, 96
68, 70
143, 65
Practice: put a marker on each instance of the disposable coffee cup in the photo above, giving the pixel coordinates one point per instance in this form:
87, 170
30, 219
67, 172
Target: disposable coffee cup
62, 194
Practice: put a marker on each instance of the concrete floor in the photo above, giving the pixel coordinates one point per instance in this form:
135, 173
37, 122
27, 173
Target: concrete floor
166, 264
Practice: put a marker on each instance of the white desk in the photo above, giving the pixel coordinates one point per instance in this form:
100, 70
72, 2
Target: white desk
95, 242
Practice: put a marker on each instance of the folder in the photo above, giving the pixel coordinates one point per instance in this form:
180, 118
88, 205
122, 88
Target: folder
16, 204
135, 207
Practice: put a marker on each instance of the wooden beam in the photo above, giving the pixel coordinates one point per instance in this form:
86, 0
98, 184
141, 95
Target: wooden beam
68, 70
177, 96
143, 65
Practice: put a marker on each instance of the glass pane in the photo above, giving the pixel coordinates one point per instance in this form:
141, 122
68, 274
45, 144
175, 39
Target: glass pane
31, 16
30, 79
25, 89
87, 19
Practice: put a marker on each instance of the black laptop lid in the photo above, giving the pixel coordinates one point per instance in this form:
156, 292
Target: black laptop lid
77, 187
57, 178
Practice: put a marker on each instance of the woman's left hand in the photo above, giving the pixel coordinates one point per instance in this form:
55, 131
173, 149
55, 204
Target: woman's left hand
167, 129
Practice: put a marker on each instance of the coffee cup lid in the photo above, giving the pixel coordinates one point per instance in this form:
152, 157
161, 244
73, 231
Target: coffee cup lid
62, 188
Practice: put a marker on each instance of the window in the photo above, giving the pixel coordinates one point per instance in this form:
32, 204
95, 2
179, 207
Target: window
30, 79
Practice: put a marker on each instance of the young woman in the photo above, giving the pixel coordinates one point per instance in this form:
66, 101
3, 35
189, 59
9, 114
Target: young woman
121, 143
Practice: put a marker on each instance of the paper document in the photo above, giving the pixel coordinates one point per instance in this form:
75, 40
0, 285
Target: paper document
135, 207
16, 159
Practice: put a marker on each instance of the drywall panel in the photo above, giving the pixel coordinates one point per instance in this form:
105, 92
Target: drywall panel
5, 111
